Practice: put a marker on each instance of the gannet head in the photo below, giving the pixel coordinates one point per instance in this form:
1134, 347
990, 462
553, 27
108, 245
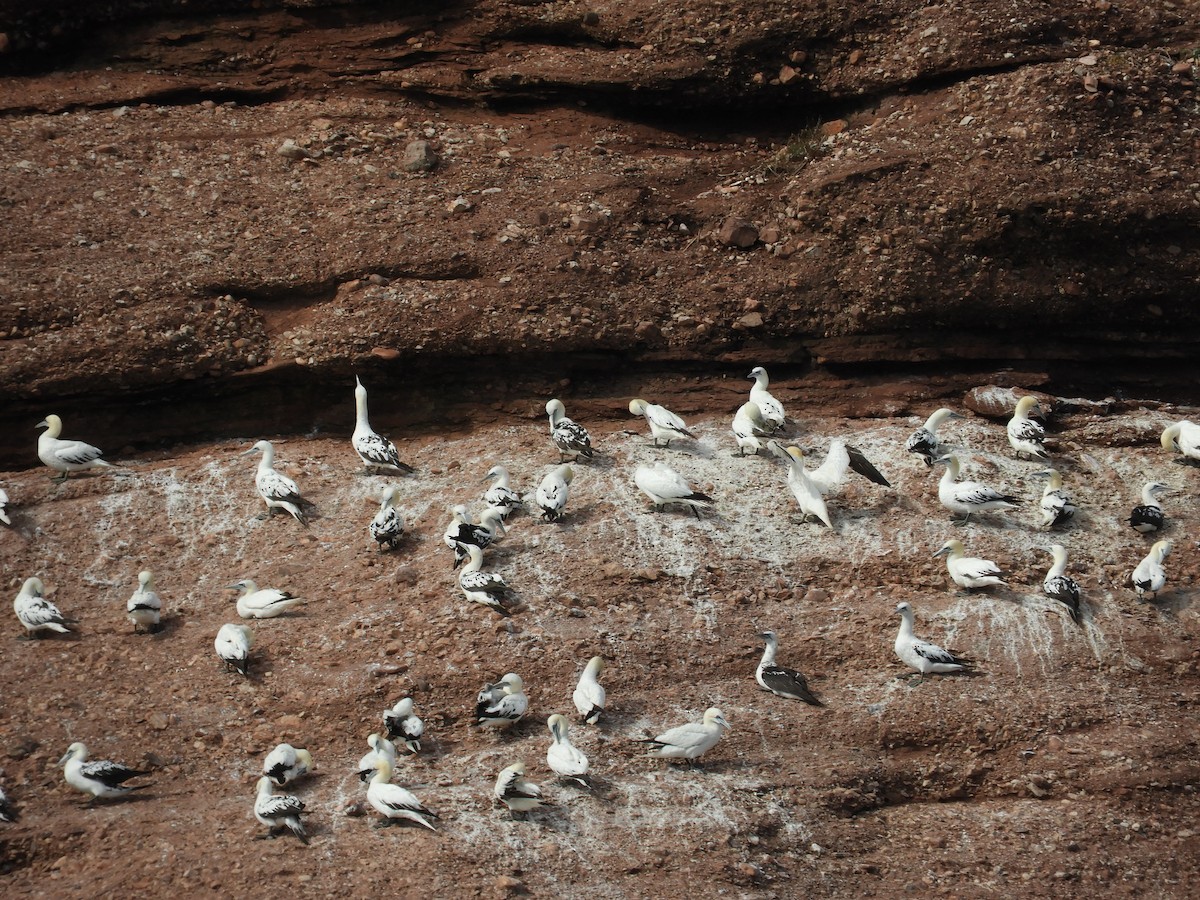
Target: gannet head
566, 473
638, 407
1059, 552
952, 548
496, 472
752, 411
404, 707
52, 424
514, 682
1170, 436
759, 374
76, 751
246, 586
33, 587
713, 716
260, 446
1160, 550
555, 410
595, 664
145, 577
904, 609
558, 726
1025, 404
769, 637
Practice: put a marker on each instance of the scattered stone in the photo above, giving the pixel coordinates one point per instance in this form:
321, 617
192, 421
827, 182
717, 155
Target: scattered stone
158, 721
419, 157
506, 884
736, 232
647, 331
787, 75
459, 205
749, 321
837, 126
289, 149
997, 402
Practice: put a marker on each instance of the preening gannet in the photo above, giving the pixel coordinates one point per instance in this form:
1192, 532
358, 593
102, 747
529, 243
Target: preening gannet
277, 490
65, 456
1060, 586
403, 723
664, 485
395, 802
485, 588
519, 795
278, 811
287, 763
1026, 436
381, 750
810, 487
748, 426
233, 645
589, 696
1149, 576
1183, 437
664, 424
690, 741
564, 758
500, 495
1057, 507
772, 409
387, 527
376, 451
462, 533
568, 436
1149, 517
969, 572
779, 680
100, 778
145, 606
264, 603
925, 442
502, 704
36, 613
553, 493
923, 656
966, 497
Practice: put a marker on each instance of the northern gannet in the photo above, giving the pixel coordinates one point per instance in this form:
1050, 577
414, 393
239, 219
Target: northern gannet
664, 485
553, 493
1183, 437
519, 795
100, 778
923, 656
278, 811
382, 750
387, 527
65, 456
403, 723
277, 490
376, 451
925, 442
1057, 507
568, 436
395, 802
779, 680
287, 763
564, 758
772, 409
966, 497
486, 588
265, 603
589, 696
8, 812
748, 426
4, 507
1060, 586
145, 606
690, 741
36, 613
1025, 435
811, 486
233, 645
461, 532
502, 704
664, 424
500, 496
1149, 517
969, 572
1149, 576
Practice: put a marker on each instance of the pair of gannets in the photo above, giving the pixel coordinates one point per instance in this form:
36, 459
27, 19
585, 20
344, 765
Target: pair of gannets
100, 778
262, 603
287, 763
664, 424
387, 527
145, 606
968, 572
65, 457
500, 496
278, 811
382, 750
569, 436
589, 696
233, 644
1183, 437
1060, 586
36, 613
395, 802
923, 656
967, 497
462, 532
485, 588
780, 680
1057, 506
1150, 576
375, 451
810, 487
503, 703
689, 741
276, 489
1025, 435
1149, 517
664, 485
925, 441
403, 723
553, 493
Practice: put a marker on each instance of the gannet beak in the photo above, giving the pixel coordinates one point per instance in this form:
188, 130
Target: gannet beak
942, 552
41, 424
247, 452
66, 756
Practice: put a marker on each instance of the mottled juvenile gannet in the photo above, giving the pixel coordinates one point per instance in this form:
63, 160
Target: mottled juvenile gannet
278, 811
925, 442
486, 588
36, 613
65, 456
382, 750
8, 812
277, 490
779, 680
1149, 517
1057, 507
519, 795
1026, 436
969, 572
966, 497
403, 723
690, 741
748, 426
4, 508
376, 451
1060, 586
387, 526
395, 802
287, 763
553, 493
145, 606
1149, 576
923, 656
568, 436
265, 603
664, 485
772, 409
664, 424
101, 778
500, 496
564, 758
811, 486
502, 704
589, 696
1183, 437
233, 644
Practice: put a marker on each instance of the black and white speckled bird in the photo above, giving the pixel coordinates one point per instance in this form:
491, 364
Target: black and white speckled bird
1149, 518
554, 491
1149, 577
779, 680
287, 763
771, 408
8, 812
276, 489
923, 656
485, 588
482, 534
502, 704
500, 495
664, 424
100, 778
403, 723
1026, 436
387, 527
376, 451
36, 613
568, 435
279, 811
145, 606
925, 442
1057, 506
4, 507
1060, 586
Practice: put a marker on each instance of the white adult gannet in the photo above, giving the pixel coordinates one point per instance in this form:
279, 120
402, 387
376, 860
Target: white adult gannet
748, 426
969, 572
403, 723
568, 436
1149, 576
145, 606
485, 588
4, 507
780, 680
100, 778
564, 758
519, 795
553, 493
500, 495
1183, 437
1025, 435
966, 497
1149, 517
810, 487
265, 603
772, 409
923, 656
278, 811
277, 490
690, 741
65, 456
589, 696
1057, 507
233, 644
664, 485
382, 750
395, 802
664, 424
387, 527
925, 442
36, 613
502, 704
8, 812
376, 451
1060, 586
287, 763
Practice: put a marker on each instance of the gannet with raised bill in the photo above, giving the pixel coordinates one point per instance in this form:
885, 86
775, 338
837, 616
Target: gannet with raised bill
519, 795
381, 750
664, 424
553, 492
403, 723
277, 490
503, 703
568, 436
376, 451
233, 644
485, 588
500, 495
8, 812
664, 485
65, 456
810, 487
1183, 437
264, 603
589, 696
1060, 586
395, 802
564, 758
387, 527
925, 442
100, 778
4, 507
772, 409
690, 741
748, 426
1026, 436
966, 497
1057, 507
779, 680
1149, 517
145, 606
923, 656
968, 572
462, 532
278, 811
36, 613
287, 763
1149, 576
